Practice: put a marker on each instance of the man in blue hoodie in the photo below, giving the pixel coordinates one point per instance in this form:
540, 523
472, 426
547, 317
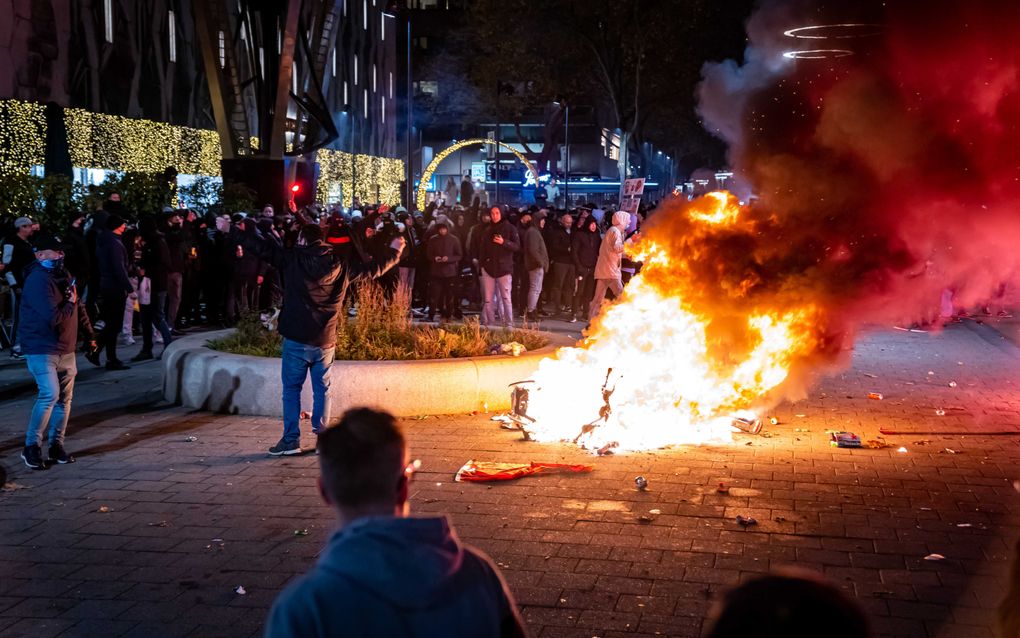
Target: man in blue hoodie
383, 573
51, 316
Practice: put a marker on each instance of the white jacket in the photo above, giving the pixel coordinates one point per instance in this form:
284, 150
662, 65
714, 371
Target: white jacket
611, 250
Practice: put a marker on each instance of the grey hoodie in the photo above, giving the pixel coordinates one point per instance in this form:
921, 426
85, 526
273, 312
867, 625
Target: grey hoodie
392, 576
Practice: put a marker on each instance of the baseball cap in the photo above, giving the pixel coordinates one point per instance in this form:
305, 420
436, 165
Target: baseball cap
23, 221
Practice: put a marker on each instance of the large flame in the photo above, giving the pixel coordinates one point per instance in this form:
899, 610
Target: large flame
675, 375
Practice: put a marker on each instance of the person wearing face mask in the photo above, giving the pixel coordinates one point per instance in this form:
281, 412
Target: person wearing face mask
52, 321
314, 280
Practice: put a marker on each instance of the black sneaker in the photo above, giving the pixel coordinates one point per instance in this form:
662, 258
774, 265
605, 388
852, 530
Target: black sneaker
142, 356
59, 455
283, 448
92, 356
32, 456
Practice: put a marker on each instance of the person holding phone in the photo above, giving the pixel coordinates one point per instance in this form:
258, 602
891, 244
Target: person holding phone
498, 243
52, 317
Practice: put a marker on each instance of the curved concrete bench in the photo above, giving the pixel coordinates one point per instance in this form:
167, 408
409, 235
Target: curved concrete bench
199, 377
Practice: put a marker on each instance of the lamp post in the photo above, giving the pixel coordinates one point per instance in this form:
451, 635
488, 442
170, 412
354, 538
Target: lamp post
566, 143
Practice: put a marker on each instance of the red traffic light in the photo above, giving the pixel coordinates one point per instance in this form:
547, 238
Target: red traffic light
295, 188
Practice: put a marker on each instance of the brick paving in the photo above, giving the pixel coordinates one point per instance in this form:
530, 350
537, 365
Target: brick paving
149, 533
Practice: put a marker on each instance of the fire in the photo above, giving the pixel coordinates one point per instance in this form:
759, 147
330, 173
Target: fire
668, 373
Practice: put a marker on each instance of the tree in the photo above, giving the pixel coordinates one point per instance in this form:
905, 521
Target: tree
638, 62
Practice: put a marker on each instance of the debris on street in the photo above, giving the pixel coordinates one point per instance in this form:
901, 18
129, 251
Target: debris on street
845, 439
494, 471
934, 557
746, 521
875, 395
240, 590
641, 483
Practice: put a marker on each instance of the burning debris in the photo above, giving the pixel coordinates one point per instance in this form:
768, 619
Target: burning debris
880, 179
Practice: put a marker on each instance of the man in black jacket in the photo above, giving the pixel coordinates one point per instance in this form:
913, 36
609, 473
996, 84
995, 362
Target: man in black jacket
560, 281
156, 266
114, 286
314, 280
496, 247
584, 248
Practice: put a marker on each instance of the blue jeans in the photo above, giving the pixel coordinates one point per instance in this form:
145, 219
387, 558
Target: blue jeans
298, 360
54, 374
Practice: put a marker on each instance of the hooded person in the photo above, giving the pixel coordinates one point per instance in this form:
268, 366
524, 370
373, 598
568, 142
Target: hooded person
585, 245
443, 252
383, 573
314, 281
496, 246
536, 261
607, 268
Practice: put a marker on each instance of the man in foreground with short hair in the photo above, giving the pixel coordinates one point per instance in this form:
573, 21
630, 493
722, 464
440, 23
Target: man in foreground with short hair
383, 573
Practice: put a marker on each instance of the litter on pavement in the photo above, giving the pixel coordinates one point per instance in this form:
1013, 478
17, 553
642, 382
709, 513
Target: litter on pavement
494, 471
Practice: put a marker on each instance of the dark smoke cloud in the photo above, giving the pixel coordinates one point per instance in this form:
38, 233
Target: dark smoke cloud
883, 177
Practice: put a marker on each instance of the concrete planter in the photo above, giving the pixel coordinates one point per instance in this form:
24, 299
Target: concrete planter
199, 377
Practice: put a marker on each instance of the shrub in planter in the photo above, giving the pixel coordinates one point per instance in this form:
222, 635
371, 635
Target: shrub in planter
381, 329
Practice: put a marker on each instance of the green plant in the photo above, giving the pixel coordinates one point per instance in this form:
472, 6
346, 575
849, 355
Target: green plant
382, 330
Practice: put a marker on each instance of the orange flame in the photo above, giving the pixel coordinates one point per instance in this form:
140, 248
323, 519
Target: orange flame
676, 377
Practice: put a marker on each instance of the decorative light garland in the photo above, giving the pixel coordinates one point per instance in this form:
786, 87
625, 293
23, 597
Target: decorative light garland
22, 136
111, 142
426, 175
378, 178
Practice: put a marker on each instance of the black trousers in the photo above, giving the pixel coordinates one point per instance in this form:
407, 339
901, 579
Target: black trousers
585, 292
444, 296
561, 286
111, 308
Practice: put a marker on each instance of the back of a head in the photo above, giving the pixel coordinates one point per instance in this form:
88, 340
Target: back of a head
789, 606
310, 234
362, 459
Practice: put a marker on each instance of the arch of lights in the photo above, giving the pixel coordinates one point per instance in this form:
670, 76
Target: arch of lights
426, 175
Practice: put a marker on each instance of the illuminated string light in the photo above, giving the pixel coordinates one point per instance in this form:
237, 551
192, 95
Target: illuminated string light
438, 159
122, 144
841, 31
817, 54
22, 136
378, 177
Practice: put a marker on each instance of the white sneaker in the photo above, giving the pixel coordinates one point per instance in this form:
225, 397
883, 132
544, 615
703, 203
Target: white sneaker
126, 340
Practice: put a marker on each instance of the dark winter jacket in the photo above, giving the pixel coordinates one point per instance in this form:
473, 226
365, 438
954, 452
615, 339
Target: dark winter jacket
584, 248
448, 246
49, 321
497, 260
314, 279
179, 247
557, 242
18, 255
112, 261
156, 260
77, 258
409, 577
535, 254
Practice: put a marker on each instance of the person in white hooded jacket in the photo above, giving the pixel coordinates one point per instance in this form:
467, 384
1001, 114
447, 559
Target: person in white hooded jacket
607, 268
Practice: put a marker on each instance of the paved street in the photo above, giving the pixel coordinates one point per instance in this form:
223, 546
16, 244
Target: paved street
168, 511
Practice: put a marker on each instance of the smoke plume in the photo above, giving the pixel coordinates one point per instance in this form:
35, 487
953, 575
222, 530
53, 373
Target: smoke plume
883, 176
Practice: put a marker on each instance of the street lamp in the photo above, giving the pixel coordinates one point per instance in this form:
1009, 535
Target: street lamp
566, 143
